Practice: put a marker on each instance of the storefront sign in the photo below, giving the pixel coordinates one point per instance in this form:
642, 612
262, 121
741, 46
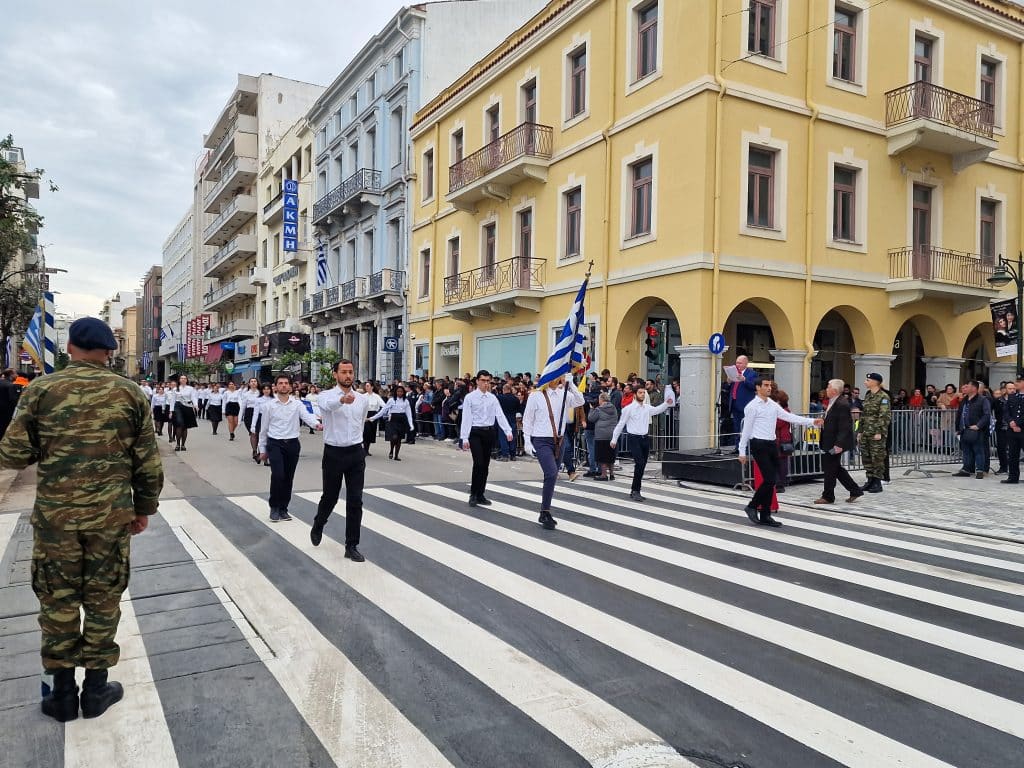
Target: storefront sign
245, 349
288, 274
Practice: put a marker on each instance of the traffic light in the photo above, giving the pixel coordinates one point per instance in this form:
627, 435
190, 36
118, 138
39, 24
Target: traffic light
651, 342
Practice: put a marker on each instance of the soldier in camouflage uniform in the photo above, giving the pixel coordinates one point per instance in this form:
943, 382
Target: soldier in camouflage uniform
99, 477
874, 427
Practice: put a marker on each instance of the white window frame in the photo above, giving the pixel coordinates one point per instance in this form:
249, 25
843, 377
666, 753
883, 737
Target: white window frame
990, 52
424, 198
925, 28
860, 63
763, 139
633, 83
641, 151
928, 180
779, 62
531, 74
423, 292
859, 244
991, 193
459, 125
578, 41
571, 183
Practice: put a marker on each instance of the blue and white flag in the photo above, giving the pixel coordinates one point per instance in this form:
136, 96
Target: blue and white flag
41, 337
9, 353
166, 331
181, 352
568, 354
321, 264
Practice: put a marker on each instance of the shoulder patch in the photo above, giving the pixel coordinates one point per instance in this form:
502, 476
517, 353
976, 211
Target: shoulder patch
885, 401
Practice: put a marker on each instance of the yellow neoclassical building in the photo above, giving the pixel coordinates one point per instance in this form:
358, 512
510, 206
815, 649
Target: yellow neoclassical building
829, 183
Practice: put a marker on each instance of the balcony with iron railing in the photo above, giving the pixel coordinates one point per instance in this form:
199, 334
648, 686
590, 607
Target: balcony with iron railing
236, 291
363, 186
236, 213
272, 210
498, 288
386, 281
229, 255
928, 116
236, 175
243, 328
519, 155
922, 271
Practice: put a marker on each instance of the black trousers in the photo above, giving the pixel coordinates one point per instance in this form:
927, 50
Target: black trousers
1013, 446
346, 465
284, 458
640, 449
481, 445
1001, 443
766, 454
832, 467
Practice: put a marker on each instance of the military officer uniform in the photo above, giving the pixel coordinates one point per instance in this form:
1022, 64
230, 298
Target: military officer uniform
90, 431
875, 418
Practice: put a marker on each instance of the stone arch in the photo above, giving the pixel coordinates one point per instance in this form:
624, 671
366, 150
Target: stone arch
628, 350
781, 327
840, 334
979, 351
917, 337
862, 332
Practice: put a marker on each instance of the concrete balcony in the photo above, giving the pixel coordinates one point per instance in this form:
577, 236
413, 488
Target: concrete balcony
918, 273
272, 210
924, 115
327, 305
232, 330
228, 256
386, 287
259, 275
239, 140
238, 291
295, 258
489, 173
495, 289
235, 177
241, 103
361, 187
232, 217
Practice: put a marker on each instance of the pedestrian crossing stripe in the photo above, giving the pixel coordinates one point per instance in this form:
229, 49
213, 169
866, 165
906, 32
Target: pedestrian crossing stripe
628, 637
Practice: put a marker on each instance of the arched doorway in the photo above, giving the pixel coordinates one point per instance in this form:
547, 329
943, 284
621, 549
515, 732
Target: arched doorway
842, 332
979, 352
754, 328
656, 360
920, 336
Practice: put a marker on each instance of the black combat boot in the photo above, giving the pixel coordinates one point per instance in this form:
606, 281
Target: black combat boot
97, 694
875, 486
62, 702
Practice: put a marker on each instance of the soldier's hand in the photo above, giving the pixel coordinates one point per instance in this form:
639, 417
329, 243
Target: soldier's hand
877, 437
138, 525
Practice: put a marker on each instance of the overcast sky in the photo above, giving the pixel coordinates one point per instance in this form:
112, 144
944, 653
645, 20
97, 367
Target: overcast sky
112, 100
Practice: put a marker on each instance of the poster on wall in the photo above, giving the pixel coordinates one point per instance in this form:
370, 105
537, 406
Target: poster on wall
1006, 327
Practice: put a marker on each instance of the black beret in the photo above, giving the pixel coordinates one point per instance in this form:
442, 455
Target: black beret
91, 333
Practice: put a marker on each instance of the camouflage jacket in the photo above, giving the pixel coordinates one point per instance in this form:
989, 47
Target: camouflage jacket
91, 432
876, 413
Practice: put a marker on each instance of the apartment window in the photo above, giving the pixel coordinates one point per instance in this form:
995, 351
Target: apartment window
844, 53
493, 123
424, 291
577, 82
760, 187
525, 244
353, 106
277, 250
987, 230
573, 201
321, 140
454, 256
761, 30
923, 61
265, 249
371, 88
371, 148
490, 252
428, 174
989, 72
397, 137
844, 201
642, 194
368, 252
398, 66
339, 170
646, 40
394, 243
277, 308
529, 97
458, 146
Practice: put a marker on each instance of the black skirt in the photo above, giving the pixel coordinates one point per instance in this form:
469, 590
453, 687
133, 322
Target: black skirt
213, 413
160, 413
604, 452
185, 416
370, 429
247, 415
397, 427
232, 409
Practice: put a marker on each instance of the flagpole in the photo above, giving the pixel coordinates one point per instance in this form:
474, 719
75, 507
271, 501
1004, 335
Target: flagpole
575, 332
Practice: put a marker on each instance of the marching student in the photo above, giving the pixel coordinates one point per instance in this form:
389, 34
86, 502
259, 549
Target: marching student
399, 421
202, 400
635, 421
214, 406
185, 406
480, 410
266, 395
171, 396
344, 461
279, 443
542, 437
373, 407
159, 405
232, 408
249, 400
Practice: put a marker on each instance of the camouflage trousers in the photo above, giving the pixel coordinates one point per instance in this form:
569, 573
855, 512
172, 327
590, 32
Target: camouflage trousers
872, 453
75, 570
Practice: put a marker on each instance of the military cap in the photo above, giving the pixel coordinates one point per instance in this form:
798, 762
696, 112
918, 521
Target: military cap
91, 333
875, 377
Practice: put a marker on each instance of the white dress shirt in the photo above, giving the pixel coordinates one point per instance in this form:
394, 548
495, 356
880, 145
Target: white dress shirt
374, 401
281, 421
481, 410
343, 422
537, 421
393, 406
203, 393
760, 418
187, 396
172, 398
215, 398
250, 397
147, 391
636, 417
159, 401
231, 396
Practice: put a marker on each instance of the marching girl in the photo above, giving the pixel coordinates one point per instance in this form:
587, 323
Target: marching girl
374, 405
399, 422
171, 395
266, 396
249, 399
232, 408
186, 402
202, 400
214, 406
159, 403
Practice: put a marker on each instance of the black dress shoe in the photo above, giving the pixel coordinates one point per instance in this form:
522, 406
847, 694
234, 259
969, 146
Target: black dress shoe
770, 521
472, 500
547, 521
751, 511
1008, 481
483, 502
353, 554
316, 533
635, 496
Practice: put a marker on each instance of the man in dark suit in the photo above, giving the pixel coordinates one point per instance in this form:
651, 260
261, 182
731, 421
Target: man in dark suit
837, 437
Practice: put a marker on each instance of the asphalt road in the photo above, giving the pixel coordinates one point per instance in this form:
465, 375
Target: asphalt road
672, 633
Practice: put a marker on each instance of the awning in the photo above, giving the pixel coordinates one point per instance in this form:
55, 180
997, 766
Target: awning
214, 352
246, 369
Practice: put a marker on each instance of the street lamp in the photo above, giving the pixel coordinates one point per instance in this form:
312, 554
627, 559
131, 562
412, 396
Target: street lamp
1004, 274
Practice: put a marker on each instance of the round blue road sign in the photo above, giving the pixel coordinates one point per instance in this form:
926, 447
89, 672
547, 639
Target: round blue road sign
716, 343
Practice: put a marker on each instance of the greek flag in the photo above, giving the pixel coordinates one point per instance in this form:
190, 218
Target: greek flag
41, 337
321, 264
145, 361
181, 352
165, 332
568, 353
9, 353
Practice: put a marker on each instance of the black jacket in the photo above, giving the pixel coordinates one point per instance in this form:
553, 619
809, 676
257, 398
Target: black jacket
838, 427
1014, 410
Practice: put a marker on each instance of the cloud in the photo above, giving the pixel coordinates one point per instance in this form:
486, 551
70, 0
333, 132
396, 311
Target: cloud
113, 100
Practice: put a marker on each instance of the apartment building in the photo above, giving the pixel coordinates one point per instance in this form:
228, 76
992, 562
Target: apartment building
257, 114
362, 172
179, 288
150, 321
829, 183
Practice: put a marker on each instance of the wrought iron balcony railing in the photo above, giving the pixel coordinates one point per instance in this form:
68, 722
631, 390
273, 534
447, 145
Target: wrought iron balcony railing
922, 100
387, 281
525, 140
353, 289
333, 296
515, 274
940, 265
363, 180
